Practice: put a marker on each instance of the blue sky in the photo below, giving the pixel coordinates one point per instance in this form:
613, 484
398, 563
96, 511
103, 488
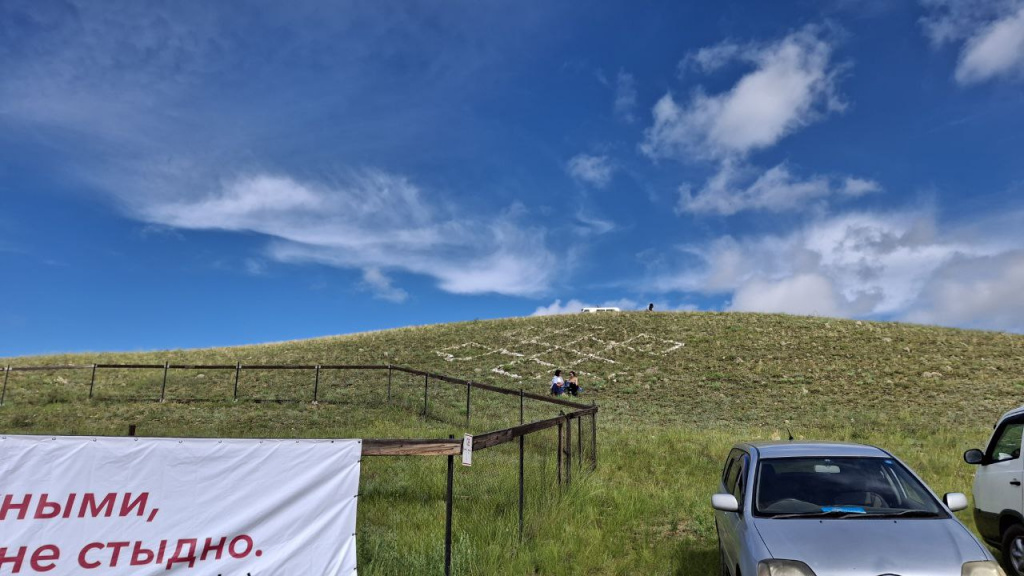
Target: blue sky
181, 174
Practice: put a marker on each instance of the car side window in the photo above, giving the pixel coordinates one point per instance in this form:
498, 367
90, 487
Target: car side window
1006, 445
728, 466
740, 487
734, 471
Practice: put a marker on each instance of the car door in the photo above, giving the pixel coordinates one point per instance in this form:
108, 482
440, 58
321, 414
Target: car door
997, 484
730, 524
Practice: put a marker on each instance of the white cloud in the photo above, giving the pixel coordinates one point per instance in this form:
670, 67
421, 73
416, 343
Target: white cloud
975, 293
557, 308
896, 265
625, 96
735, 189
378, 283
991, 34
855, 187
792, 85
803, 294
997, 50
593, 170
371, 220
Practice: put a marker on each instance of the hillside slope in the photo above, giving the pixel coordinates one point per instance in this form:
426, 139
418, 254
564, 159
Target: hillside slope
675, 390
692, 368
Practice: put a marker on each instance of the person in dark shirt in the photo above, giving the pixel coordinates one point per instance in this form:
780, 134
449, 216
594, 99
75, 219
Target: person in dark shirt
573, 384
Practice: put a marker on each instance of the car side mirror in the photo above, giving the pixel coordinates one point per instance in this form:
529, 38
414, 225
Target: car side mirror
955, 501
725, 503
974, 456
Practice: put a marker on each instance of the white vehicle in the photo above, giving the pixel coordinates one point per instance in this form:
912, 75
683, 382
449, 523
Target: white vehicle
998, 497
593, 309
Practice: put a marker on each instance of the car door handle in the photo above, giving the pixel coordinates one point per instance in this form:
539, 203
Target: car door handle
1014, 482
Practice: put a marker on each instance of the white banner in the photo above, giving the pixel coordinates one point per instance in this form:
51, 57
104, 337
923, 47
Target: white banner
147, 506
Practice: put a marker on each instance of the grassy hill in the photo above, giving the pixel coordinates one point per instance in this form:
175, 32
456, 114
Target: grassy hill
675, 390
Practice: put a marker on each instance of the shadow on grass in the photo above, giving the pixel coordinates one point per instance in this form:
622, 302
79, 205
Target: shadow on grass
696, 558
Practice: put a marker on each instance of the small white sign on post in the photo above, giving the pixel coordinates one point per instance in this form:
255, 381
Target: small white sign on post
467, 450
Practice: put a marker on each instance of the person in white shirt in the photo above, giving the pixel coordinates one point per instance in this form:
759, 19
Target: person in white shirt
557, 384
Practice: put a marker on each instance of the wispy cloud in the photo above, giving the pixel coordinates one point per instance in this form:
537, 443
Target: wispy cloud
736, 188
593, 170
990, 34
189, 119
255, 266
711, 58
625, 96
377, 282
371, 220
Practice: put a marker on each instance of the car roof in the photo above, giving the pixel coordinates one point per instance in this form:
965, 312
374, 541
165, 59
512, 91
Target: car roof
797, 449
1014, 412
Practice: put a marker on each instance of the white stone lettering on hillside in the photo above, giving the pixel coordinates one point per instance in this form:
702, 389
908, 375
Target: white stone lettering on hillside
546, 352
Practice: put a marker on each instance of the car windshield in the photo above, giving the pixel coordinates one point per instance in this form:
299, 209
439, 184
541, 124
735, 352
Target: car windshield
840, 487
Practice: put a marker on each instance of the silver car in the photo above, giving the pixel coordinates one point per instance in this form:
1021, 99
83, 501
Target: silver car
832, 509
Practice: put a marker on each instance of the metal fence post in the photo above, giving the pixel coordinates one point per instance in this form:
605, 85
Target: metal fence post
568, 452
316, 385
163, 386
559, 453
92, 381
426, 383
3, 394
593, 437
448, 514
389, 383
238, 369
469, 387
521, 398
522, 439
579, 443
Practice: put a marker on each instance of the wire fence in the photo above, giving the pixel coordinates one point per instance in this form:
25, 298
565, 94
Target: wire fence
531, 445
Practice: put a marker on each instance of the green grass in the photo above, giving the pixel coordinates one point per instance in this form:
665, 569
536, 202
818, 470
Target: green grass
668, 416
